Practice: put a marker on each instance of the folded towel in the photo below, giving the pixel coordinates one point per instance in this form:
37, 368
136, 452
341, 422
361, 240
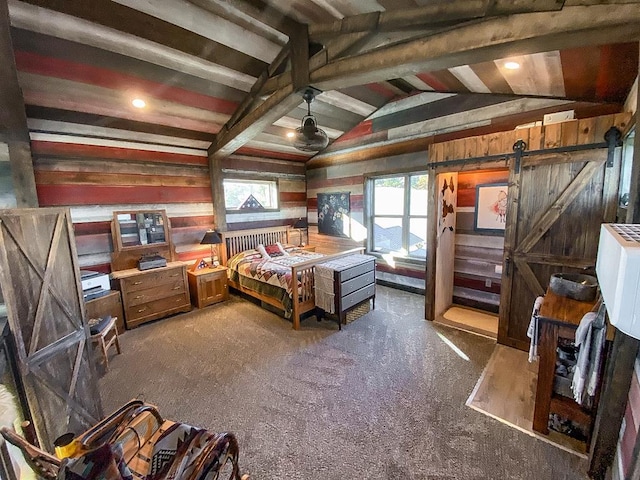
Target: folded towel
533, 332
590, 338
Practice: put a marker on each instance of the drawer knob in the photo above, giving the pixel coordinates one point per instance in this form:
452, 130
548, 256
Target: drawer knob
174, 275
137, 283
142, 310
138, 296
178, 287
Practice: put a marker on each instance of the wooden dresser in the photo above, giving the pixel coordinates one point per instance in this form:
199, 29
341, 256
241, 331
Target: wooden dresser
152, 294
353, 283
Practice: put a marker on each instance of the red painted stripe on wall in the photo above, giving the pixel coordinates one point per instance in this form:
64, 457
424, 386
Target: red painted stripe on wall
63, 195
196, 221
360, 130
91, 228
293, 197
381, 90
334, 182
97, 151
239, 163
54, 67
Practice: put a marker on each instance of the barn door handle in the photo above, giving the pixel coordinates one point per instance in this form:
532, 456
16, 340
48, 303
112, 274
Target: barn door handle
507, 266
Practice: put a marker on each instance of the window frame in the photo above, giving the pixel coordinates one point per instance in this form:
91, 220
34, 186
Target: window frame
249, 179
405, 217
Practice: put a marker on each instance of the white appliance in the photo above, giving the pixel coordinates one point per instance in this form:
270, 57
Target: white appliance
92, 280
618, 270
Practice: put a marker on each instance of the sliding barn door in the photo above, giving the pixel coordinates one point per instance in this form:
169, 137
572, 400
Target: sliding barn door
39, 279
557, 202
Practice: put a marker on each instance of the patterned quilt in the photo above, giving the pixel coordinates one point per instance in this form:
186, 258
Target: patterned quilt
274, 271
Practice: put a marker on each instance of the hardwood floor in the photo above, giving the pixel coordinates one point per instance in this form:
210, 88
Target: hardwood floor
506, 391
471, 320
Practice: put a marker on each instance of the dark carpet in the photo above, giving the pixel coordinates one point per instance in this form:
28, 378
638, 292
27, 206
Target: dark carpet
382, 399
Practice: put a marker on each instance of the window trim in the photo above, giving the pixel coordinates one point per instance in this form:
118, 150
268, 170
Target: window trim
369, 192
251, 178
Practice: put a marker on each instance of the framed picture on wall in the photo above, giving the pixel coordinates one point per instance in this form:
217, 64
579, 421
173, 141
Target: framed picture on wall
491, 207
333, 214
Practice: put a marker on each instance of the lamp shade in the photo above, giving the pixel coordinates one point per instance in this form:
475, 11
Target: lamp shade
300, 223
211, 237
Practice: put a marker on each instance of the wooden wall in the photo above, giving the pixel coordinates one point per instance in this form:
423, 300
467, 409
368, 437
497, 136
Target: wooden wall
291, 184
351, 178
95, 177
573, 132
625, 454
7, 191
478, 254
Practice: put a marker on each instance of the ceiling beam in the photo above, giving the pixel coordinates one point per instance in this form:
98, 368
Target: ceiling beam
13, 119
434, 14
472, 42
485, 40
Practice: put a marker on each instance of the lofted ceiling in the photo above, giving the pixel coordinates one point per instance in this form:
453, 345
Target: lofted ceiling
225, 75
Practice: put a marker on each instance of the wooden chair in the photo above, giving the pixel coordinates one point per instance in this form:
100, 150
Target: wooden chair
103, 335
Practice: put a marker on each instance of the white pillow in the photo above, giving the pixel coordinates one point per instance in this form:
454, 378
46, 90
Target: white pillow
282, 250
262, 251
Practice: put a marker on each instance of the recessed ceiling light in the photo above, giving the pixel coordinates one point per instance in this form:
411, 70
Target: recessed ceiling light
138, 103
511, 65
290, 134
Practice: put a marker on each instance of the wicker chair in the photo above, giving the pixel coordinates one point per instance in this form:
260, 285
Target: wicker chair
135, 441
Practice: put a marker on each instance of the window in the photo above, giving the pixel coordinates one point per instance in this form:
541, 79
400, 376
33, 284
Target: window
398, 219
250, 195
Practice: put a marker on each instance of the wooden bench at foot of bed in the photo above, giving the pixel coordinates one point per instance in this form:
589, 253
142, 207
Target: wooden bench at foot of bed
235, 242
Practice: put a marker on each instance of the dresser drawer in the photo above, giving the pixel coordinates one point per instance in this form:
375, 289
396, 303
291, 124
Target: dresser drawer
355, 271
358, 282
152, 279
161, 306
158, 292
356, 297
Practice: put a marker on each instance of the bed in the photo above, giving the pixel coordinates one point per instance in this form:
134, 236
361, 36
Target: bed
270, 280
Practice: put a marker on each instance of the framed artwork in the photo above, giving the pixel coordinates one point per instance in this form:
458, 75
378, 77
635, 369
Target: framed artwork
333, 214
491, 207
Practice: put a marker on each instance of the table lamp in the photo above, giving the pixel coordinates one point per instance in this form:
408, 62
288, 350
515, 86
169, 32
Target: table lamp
211, 237
300, 224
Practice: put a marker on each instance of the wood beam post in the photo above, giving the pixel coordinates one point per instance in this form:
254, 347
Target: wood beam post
13, 119
620, 364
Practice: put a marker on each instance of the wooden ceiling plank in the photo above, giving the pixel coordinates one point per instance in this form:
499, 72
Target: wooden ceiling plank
13, 120
122, 124
63, 26
231, 12
60, 49
484, 41
134, 22
266, 13
193, 18
490, 75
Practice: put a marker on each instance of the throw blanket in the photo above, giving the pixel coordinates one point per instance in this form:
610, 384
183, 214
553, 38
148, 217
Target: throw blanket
533, 332
590, 338
324, 288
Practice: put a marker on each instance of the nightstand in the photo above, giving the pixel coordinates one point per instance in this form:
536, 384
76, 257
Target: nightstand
309, 248
208, 286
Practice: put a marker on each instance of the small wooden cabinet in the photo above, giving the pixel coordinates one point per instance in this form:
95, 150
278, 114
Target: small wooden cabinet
208, 286
109, 304
151, 294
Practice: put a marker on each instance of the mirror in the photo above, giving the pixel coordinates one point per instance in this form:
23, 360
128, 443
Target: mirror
136, 229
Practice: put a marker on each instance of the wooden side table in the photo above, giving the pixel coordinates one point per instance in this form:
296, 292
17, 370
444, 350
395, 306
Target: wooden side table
109, 304
208, 286
559, 318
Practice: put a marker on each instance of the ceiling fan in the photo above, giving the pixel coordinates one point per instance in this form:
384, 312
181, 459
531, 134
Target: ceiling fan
308, 137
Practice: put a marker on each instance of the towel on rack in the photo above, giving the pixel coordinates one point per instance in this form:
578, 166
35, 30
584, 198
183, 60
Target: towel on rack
533, 332
590, 338
323, 285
